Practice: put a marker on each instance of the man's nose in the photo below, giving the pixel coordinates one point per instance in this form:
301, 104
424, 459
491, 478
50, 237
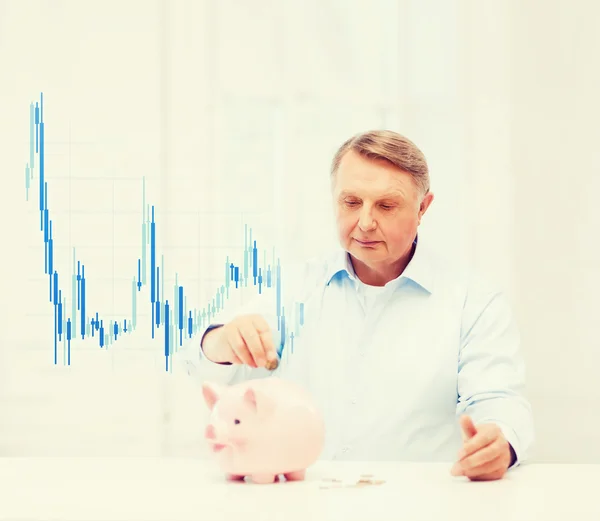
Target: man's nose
366, 221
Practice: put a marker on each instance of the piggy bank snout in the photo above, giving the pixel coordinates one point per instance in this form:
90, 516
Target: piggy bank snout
216, 431
210, 433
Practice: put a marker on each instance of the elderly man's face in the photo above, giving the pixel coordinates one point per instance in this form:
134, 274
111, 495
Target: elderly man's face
378, 211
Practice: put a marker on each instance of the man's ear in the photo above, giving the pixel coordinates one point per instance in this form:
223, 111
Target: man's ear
425, 203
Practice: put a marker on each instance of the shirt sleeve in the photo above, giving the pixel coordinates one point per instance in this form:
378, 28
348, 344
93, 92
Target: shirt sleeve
491, 371
191, 358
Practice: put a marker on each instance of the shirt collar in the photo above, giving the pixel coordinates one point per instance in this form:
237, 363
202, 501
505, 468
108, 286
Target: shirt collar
419, 269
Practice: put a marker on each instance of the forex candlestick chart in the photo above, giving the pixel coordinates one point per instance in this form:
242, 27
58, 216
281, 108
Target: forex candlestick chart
173, 318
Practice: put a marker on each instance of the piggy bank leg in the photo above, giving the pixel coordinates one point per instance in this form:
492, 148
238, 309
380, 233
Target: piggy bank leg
297, 475
234, 477
263, 479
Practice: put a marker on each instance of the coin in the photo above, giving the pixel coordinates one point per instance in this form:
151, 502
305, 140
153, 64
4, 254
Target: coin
272, 364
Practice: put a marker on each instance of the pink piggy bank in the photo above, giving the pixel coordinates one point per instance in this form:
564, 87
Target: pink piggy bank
263, 428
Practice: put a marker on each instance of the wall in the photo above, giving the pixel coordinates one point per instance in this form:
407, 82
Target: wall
232, 111
554, 115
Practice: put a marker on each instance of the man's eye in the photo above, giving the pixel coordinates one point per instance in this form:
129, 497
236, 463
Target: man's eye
351, 203
386, 207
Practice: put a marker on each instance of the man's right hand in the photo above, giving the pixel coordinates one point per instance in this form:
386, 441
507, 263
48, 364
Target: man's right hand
247, 339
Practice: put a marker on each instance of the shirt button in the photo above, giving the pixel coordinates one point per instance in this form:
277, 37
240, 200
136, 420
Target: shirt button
345, 449
353, 402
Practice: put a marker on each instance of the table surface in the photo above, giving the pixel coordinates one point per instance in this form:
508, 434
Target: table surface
193, 489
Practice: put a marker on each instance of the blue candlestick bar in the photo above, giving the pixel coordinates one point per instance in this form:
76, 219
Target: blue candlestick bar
177, 320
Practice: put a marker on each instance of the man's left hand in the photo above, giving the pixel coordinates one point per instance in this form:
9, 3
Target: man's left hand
486, 454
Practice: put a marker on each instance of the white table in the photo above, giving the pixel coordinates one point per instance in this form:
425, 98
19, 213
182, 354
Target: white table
187, 489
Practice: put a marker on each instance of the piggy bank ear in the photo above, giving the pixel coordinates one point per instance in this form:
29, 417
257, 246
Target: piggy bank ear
259, 402
210, 391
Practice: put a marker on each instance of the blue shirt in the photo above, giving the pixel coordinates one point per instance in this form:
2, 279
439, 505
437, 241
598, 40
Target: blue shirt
393, 367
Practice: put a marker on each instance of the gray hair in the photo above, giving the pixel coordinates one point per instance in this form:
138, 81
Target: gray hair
389, 146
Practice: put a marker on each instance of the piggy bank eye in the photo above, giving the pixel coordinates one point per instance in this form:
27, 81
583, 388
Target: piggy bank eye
236, 421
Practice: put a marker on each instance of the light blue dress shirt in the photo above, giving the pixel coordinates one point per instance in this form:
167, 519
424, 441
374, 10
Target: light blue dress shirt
393, 367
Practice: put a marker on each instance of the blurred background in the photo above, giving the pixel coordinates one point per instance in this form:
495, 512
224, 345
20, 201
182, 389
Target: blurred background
224, 116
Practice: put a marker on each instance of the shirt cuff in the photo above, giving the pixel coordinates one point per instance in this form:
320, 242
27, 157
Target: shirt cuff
511, 436
206, 331
197, 365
